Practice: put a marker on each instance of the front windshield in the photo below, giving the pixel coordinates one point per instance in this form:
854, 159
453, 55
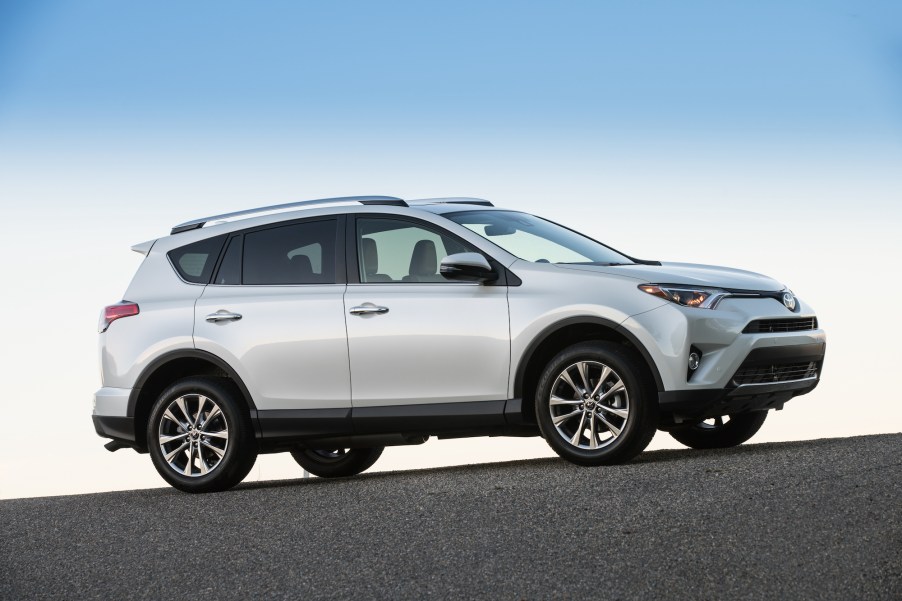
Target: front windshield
534, 239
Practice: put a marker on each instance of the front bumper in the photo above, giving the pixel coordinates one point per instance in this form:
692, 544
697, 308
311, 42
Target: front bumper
696, 405
669, 332
740, 370
762, 395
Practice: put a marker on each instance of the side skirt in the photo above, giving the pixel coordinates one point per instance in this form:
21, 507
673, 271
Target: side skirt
283, 429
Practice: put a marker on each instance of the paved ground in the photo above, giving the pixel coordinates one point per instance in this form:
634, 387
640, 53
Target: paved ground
805, 520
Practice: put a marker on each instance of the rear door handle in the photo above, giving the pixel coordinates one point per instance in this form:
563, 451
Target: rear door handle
223, 315
368, 309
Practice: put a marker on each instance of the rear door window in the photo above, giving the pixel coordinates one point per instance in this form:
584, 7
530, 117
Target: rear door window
300, 253
229, 273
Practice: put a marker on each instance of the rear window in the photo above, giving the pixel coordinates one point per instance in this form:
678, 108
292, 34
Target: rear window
195, 262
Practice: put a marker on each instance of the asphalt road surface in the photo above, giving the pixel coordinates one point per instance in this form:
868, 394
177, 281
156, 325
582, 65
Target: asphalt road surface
799, 520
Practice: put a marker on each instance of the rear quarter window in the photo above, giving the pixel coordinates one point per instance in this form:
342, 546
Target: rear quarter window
195, 262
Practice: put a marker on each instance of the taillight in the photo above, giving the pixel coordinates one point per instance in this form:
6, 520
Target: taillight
117, 311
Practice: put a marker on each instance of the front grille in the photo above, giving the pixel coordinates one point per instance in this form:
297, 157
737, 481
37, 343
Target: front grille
795, 324
764, 374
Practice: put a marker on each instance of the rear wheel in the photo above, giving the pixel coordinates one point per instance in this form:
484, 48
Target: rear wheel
721, 432
594, 406
200, 437
336, 463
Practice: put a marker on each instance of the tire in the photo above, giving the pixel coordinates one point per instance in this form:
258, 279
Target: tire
621, 416
207, 415
716, 433
336, 463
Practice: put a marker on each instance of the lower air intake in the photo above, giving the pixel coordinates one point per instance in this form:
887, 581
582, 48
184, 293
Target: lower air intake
764, 374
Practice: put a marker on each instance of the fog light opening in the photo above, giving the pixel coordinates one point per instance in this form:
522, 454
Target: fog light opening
694, 361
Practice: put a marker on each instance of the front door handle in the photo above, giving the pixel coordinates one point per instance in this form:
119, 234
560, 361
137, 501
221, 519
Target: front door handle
368, 309
223, 315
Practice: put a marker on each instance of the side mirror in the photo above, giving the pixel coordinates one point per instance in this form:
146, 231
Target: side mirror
467, 267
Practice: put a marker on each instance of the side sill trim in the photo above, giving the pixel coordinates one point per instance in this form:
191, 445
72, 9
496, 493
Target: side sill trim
431, 419
289, 424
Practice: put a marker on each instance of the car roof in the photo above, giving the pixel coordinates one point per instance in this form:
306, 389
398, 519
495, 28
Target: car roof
433, 205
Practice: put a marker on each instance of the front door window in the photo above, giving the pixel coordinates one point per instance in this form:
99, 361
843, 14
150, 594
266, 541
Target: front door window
397, 251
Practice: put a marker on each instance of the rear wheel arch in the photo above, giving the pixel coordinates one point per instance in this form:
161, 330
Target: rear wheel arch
171, 367
562, 334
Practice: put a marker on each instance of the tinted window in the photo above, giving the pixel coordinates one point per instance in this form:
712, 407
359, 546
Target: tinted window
392, 250
303, 253
195, 262
229, 273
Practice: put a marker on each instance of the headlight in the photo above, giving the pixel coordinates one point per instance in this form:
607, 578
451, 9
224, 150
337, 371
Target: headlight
702, 298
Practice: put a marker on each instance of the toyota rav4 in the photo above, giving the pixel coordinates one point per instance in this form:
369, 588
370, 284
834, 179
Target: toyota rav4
333, 328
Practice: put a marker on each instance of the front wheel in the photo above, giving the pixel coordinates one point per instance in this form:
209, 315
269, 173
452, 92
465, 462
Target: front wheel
336, 463
594, 406
721, 432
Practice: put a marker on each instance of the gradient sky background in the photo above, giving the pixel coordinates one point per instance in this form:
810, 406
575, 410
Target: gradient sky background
762, 135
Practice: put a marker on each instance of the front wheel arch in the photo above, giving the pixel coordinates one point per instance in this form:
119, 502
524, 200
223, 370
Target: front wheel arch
565, 333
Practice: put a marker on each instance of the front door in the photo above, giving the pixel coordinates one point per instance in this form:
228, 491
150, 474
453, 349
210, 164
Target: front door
413, 337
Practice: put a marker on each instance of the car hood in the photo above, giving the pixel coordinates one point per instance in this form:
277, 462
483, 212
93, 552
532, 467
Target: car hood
688, 274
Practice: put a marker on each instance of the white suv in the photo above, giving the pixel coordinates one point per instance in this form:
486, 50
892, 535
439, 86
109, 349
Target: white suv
335, 327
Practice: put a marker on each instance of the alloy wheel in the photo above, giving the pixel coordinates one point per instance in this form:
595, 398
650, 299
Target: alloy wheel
589, 405
193, 435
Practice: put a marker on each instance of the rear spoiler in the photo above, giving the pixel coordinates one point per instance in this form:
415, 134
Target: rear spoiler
144, 247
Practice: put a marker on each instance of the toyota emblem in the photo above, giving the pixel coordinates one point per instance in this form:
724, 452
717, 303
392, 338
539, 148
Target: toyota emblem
789, 301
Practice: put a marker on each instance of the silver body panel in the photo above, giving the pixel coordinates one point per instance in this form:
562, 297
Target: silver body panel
438, 343
289, 347
165, 324
299, 347
112, 402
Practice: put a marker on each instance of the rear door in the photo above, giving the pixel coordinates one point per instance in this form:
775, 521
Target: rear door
274, 312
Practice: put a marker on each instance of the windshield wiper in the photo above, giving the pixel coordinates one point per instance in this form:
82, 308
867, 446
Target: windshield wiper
595, 263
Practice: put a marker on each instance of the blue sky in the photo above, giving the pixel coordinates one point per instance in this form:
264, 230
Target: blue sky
760, 135
573, 69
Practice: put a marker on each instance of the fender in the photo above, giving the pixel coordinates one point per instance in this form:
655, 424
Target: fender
559, 325
188, 354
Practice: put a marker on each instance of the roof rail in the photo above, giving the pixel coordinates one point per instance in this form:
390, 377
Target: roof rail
344, 200
454, 200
